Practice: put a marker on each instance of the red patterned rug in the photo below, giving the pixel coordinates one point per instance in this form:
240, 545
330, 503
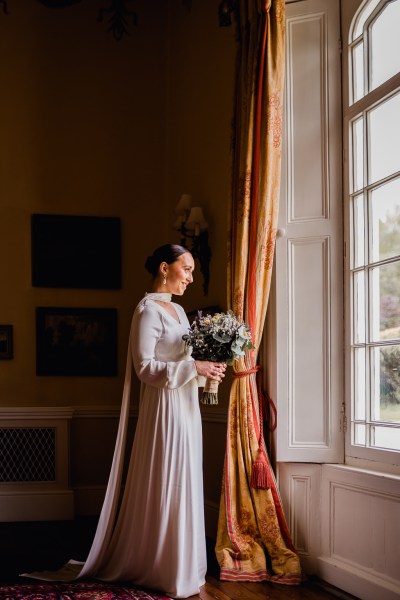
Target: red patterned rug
75, 591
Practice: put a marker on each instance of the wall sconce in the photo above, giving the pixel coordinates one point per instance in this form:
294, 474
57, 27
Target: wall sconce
193, 227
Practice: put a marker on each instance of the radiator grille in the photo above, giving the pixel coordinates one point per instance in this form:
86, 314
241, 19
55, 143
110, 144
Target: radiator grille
27, 454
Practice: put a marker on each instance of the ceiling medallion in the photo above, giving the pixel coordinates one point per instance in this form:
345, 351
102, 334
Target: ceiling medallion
118, 15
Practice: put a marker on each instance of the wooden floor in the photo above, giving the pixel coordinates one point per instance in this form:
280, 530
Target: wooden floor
313, 589
37, 546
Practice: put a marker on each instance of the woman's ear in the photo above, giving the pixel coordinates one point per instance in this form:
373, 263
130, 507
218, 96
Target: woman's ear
163, 268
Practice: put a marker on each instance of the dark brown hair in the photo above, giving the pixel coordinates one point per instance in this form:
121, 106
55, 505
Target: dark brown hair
168, 253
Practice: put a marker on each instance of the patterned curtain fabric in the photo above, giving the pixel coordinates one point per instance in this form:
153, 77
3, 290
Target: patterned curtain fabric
253, 541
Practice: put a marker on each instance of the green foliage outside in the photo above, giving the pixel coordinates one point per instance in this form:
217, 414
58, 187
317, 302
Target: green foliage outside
389, 242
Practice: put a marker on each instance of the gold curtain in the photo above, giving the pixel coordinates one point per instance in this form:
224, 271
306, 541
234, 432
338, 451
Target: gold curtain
253, 541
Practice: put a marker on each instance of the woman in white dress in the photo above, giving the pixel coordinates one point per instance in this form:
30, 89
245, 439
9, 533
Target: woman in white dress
158, 539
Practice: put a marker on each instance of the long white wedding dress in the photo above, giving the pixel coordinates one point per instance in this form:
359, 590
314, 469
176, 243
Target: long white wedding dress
158, 538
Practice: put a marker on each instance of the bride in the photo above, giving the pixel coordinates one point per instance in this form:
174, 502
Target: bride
158, 539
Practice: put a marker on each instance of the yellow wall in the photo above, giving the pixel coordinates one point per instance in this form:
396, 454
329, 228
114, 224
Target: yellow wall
82, 131
91, 126
200, 95
200, 109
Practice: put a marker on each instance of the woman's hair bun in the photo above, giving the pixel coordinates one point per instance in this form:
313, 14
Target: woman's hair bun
168, 253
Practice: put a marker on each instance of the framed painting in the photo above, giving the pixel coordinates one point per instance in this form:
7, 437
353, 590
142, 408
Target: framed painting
76, 251
6, 342
76, 341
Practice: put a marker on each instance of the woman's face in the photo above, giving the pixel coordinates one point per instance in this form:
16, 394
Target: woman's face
179, 274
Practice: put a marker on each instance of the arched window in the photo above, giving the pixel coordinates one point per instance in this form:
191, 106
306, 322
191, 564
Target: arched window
374, 46
372, 191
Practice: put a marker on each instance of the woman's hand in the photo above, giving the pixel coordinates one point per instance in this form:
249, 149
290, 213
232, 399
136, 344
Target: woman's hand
212, 370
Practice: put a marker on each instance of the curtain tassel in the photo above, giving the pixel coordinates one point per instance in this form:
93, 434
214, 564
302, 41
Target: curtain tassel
259, 472
260, 476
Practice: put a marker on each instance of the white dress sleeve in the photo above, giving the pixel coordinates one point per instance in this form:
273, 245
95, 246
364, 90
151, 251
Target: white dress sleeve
201, 380
147, 329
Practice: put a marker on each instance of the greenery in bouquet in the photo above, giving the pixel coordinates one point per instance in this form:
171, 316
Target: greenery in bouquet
219, 338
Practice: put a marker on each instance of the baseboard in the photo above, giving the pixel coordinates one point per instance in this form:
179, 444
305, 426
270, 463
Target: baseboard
360, 583
28, 505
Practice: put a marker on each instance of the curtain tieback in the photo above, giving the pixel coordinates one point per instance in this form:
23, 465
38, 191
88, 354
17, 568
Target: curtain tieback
260, 477
241, 374
268, 405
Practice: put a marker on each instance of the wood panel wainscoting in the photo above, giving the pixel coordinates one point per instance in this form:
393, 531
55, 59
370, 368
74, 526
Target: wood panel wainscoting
34, 464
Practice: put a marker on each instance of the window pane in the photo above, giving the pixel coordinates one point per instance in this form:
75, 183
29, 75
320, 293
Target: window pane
385, 44
385, 221
385, 302
386, 437
384, 139
358, 72
359, 434
359, 231
359, 384
363, 16
359, 307
387, 384
358, 154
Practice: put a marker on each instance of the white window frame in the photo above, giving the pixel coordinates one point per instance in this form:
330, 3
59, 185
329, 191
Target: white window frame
355, 453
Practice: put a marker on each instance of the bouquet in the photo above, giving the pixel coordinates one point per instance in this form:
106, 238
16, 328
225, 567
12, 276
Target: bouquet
217, 338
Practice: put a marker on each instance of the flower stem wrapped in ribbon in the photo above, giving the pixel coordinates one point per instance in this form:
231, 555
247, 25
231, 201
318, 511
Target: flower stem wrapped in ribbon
217, 338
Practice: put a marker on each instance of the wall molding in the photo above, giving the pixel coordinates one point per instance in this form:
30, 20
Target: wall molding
35, 412
56, 499
36, 505
360, 583
303, 253
318, 21
214, 415
300, 489
208, 414
360, 528
345, 523
22, 497
102, 412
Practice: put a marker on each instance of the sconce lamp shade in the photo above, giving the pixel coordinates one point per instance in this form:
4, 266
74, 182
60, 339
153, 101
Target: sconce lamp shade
191, 224
184, 204
196, 220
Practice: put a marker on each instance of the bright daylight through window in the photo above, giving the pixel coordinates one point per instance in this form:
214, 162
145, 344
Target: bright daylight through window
373, 125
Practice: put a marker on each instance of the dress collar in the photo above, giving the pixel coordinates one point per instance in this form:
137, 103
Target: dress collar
160, 296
